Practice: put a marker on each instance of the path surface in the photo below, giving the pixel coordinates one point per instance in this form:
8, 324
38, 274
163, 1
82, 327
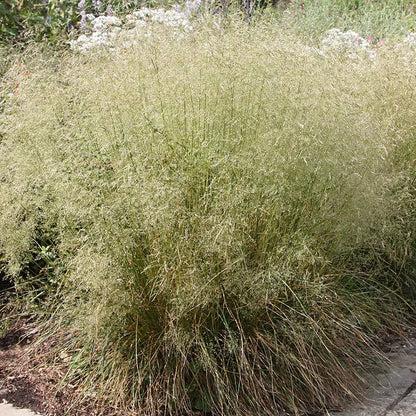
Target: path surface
6, 409
392, 392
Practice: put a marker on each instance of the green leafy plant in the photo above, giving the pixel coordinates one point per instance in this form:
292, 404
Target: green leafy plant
23, 19
36, 18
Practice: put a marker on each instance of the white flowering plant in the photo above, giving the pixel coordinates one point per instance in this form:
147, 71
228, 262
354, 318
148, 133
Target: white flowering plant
110, 31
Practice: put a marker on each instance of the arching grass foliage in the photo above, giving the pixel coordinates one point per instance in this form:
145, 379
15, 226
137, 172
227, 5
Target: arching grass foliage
225, 219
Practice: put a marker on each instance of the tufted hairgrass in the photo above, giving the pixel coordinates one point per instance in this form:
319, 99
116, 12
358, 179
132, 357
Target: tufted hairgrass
222, 222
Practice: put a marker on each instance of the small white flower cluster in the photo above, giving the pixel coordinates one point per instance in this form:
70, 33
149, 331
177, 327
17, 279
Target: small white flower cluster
174, 18
407, 48
103, 32
108, 30
410, 41
105, 23
350, 42
85, 43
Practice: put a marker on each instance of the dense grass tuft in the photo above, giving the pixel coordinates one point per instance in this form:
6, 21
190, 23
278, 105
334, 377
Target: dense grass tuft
227, 219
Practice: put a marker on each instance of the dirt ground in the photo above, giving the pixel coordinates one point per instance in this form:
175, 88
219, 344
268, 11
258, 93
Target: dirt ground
27, 381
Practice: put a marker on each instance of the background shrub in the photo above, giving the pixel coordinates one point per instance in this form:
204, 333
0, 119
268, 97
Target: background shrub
20, 19
36, 18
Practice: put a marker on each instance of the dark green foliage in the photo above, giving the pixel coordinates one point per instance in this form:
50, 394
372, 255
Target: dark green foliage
28, 19
24, 19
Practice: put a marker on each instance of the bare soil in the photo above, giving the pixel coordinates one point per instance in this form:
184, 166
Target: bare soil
27, 381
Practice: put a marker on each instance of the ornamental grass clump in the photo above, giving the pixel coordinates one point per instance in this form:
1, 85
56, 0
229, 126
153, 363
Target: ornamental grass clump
225, 222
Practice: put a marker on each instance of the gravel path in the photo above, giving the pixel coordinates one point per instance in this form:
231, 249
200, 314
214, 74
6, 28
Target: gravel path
6, 409
392, 392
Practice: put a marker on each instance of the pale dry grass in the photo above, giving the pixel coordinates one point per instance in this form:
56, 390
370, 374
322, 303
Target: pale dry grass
227, 219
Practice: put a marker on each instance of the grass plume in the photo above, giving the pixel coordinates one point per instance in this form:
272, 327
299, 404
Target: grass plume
226, 217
